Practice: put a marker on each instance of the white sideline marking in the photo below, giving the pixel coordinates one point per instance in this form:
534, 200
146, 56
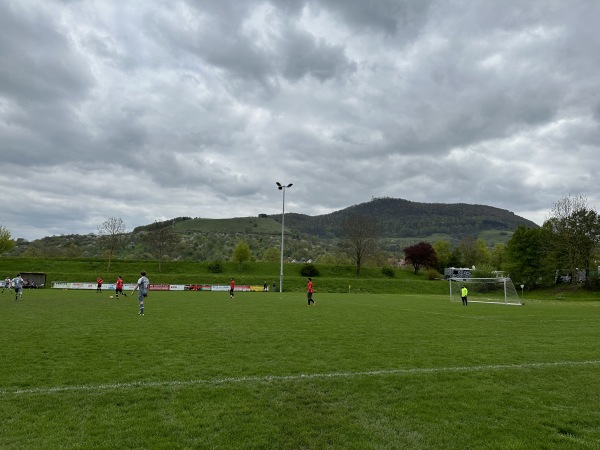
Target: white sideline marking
313, 376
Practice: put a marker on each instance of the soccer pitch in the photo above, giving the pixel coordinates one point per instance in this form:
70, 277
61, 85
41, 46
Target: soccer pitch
80, 370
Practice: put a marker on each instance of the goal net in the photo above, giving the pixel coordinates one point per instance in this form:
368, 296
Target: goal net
499, 290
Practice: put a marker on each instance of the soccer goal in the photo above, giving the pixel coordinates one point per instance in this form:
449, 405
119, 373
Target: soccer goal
499, 290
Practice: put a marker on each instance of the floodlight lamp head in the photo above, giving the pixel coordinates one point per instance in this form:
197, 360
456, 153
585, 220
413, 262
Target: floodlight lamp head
289, 185
278, 183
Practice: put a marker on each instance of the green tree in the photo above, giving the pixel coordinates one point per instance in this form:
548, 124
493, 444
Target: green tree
443, 251
6, 241
33, 250
241, 253
474, 251
575, 232
483, 252
468, 250
73, 251
271, 254
456, 260
525, 253
498, 256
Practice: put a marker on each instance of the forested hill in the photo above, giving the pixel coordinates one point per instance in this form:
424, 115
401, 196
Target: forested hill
403, 218
213, 239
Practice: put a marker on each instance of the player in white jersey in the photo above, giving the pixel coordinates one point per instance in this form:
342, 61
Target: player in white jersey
143, 286
6, 285
17, 284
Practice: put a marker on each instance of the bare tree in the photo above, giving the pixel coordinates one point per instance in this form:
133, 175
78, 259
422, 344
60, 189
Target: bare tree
162, 240
576, 230
111, 232
361, 239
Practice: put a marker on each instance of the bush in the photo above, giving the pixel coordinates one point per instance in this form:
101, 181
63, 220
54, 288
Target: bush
309, 270
433, 274
215, 267
388, 271
483, 271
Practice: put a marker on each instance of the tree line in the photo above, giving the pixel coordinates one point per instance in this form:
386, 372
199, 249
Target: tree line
565, 246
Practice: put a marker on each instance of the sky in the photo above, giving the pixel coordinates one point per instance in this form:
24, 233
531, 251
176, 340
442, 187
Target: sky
147, 110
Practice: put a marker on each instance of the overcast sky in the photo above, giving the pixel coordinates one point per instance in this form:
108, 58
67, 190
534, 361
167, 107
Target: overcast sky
147, 110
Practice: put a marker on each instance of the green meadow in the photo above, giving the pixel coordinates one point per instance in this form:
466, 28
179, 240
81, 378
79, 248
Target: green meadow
333, 278
264, 371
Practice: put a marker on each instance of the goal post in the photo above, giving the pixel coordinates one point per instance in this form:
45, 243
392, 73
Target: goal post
499, 290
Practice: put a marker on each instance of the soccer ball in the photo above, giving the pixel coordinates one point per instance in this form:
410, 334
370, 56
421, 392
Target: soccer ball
111, 296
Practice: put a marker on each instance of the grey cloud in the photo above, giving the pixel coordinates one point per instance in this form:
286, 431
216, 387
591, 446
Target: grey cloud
43, 82
197, 108
304, 55
43, 65
217, 37
393, 17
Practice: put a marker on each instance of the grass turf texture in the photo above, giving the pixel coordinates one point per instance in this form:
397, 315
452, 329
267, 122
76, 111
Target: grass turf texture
80, 370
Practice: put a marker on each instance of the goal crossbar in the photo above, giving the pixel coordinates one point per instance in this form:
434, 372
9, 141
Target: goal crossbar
499, 290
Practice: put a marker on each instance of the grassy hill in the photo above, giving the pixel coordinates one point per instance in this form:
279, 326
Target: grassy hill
250, 225
401, 220
403, 223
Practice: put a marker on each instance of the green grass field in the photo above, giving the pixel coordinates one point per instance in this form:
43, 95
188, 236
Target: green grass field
376, 371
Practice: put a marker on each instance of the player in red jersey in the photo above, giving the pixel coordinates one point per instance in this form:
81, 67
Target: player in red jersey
309, 292
119, 287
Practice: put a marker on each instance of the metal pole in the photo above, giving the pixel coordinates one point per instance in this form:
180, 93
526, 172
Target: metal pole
282, 228
282, 187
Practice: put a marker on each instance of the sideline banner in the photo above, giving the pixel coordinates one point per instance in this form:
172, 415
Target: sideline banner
105, 286
221, 288
159, 287
238, 288
156, 287
257, 288
197, 287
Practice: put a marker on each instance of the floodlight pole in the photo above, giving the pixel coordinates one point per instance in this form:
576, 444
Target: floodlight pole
282, 187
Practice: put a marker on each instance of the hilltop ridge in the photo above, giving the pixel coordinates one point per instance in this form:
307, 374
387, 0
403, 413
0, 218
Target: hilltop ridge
402, 223
401, 218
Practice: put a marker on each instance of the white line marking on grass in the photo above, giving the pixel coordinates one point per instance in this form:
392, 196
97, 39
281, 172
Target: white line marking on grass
276, 378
